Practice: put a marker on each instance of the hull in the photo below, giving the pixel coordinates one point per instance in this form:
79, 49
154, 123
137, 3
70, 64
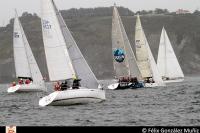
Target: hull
26, 88
173, 80
117, 86
113, 86
150, 85
73, 96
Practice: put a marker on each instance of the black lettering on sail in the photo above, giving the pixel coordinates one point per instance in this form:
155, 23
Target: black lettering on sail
46, 24
138, 45
16, 35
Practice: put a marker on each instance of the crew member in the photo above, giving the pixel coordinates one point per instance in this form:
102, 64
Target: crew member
27, 81
21, 81
76, 83
13, 83
57, 86
64, 86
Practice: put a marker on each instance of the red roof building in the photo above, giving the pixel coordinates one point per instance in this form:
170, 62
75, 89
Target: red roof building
181, 11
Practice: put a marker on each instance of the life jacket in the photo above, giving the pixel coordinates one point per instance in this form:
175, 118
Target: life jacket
27, 81
57, 87
20, 82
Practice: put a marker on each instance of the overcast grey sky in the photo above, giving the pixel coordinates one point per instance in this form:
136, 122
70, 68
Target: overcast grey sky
7, 6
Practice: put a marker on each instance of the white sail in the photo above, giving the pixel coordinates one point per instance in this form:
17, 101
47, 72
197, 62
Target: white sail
21, 62
141, 42
155, 73
167, 62
31, 63
120, 40
161, 59
141, 50
82, 69
58, 61
121, 68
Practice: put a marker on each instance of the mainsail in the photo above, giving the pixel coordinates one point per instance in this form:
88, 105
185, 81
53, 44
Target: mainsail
120, 40
78, 64
144, 55
167, 62
58, 61
21, 45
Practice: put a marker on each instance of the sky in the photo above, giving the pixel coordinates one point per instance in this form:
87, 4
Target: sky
33, 6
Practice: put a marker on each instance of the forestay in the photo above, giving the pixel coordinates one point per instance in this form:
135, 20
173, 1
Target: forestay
167, 62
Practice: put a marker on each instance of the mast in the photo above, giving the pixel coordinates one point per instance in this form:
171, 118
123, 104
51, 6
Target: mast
165, 46
162, 55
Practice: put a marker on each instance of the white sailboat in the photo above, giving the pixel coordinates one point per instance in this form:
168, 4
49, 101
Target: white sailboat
25, 64
124, 60
167, 62
66, 62
145, 59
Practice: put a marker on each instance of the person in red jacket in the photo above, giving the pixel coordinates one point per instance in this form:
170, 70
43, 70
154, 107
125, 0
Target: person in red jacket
13, 83
57, 86
21, 81
27, 81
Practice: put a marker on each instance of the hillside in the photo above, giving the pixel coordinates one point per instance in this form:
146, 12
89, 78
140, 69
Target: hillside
92, 32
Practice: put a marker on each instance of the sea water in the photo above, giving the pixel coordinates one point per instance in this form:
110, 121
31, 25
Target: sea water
177, 104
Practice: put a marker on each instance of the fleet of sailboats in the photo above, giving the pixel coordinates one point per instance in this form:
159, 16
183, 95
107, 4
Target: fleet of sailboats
65, 62
167, 62
25, 64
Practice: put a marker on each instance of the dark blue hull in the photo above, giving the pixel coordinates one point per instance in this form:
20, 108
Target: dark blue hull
130, 86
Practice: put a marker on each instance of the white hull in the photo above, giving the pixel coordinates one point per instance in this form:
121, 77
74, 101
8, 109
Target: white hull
113, 86
73, 96
26, 88
150, 85
173, 80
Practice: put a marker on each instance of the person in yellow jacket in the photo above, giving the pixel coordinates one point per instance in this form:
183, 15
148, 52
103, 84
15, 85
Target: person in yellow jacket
76, 83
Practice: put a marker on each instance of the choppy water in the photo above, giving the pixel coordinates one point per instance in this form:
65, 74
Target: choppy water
178, 104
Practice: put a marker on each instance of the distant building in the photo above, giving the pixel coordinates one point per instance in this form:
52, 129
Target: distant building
181, 11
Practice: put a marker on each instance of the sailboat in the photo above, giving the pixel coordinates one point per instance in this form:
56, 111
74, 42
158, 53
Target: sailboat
25, 64
66, 62
167, 62
124, 60
145, 59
